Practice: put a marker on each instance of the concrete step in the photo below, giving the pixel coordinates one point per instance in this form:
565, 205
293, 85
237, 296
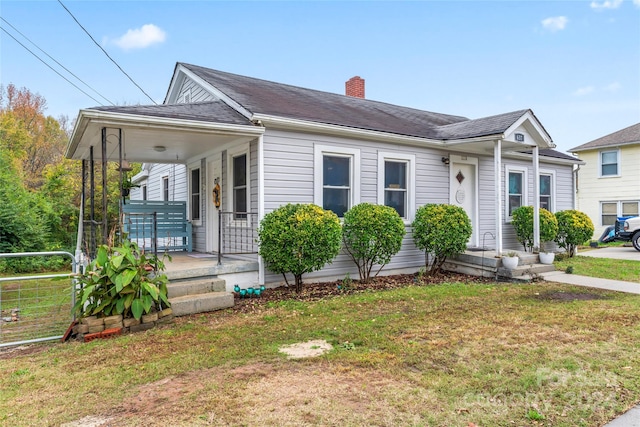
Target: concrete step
201, 303
195, 286
528, 270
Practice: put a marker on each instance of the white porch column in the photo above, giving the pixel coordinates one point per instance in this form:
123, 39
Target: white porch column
536, 198
260, 200
497, 168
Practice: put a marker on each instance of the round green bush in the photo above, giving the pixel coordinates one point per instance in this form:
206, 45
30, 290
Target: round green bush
299, 239
574, 228
372, 234
441, 230
523, 225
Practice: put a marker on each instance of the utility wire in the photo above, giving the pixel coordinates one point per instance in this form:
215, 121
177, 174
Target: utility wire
54, 60
53, 69
105, 52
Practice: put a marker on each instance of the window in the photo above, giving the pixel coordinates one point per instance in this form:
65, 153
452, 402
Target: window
547, 191
336, 175
609, 163
165, 188
516, 190
609, 213
239, 174
144, 191
396, 180
194, 185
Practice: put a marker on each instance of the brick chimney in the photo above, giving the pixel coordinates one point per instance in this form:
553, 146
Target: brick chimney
355, 87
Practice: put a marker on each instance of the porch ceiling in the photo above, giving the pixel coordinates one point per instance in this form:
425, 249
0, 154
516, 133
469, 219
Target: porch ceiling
144, 137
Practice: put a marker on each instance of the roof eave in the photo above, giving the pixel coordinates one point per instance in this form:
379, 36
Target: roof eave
612, 145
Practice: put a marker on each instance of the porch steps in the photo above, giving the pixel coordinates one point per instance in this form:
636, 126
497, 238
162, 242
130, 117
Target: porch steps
198, 295
487, 264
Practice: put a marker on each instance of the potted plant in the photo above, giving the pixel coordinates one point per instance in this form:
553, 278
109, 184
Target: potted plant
510, 260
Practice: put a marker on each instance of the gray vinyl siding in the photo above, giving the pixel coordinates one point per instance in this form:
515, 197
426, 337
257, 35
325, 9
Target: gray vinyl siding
198, 93
289, 176
200, 231
177, 181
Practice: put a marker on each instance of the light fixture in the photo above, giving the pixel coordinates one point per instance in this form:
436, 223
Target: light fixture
160, 148
125, 166
445, 160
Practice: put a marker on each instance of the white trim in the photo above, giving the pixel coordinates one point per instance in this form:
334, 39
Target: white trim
525, 187
536, 198
318, 152
600, 152
531, 119
410, 160
497, 192
261, 266
193, 166
553, 186
475, 221
233, 152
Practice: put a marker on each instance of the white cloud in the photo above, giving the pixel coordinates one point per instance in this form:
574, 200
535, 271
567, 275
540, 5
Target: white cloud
613, 87
608, 4
555, 23
140, 38
636, 2
584, 91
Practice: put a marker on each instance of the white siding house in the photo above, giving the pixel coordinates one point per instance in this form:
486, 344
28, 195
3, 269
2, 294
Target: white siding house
267, 144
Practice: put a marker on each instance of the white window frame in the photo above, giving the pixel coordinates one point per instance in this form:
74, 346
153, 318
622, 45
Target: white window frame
231, 154
600, 153
525, 187
552, 173
186, 97
319, 151
191, 193
618, 204
166, 193
143, 192
410, 161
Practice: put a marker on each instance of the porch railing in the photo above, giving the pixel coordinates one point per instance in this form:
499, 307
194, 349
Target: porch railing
237, 233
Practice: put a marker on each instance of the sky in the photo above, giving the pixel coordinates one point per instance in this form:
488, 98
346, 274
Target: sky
576, 63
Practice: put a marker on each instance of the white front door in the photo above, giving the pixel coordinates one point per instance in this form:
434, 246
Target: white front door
463, 190
214, 172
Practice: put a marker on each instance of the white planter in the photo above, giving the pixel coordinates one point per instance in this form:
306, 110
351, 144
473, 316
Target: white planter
510, 262
546, 257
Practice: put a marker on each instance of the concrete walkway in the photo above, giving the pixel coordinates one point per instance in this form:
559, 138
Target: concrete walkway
631, 418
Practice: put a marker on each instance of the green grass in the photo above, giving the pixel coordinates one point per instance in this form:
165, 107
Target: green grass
451, 354
606, 268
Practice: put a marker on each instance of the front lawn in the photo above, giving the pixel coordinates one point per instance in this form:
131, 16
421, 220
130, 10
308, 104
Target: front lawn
604, 268
442, 355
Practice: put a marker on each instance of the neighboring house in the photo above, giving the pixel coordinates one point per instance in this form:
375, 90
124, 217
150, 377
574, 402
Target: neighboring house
608, 185
267, 144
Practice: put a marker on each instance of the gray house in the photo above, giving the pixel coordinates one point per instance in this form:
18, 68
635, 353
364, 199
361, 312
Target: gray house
253, 145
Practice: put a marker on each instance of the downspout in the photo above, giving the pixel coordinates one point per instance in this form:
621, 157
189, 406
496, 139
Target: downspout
536, 198
261, 272
497, 168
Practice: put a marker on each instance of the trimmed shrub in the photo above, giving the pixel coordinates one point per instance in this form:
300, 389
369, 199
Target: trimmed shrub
299, 239
523, 225
372, 234
441, 231
574, 228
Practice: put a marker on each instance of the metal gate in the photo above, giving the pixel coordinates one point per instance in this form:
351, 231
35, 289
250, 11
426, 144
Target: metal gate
36, 308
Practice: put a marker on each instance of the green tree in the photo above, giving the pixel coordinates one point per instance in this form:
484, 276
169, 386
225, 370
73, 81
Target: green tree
441, 231
299, 239
372, 234
523, 226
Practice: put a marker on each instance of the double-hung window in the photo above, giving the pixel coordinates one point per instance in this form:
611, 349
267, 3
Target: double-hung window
239, 164
610, 211
547, 190
516, 188
337, 175
165, 188
396, 180
194, 184
609, 163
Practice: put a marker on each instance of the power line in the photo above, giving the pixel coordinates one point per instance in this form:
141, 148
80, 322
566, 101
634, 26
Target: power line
53, 69
105, 52
54, 60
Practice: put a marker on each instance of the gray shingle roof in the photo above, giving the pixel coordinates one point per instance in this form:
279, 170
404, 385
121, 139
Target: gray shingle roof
281, 100
213, 111
629, 135
547, 152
